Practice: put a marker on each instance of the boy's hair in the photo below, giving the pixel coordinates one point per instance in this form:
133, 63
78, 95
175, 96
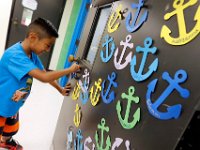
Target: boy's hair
44, 28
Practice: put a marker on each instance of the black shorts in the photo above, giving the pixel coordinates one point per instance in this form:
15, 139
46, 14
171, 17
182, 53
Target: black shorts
9, 126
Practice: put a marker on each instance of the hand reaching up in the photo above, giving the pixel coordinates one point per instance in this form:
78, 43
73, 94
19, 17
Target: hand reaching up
66, 90
74, 67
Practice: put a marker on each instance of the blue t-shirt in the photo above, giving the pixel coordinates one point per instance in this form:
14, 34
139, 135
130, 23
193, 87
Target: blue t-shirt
14, 68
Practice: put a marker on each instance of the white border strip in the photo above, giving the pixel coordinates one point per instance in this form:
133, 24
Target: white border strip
62, 31
5, 11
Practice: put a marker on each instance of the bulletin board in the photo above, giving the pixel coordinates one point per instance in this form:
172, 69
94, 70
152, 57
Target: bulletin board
143, 87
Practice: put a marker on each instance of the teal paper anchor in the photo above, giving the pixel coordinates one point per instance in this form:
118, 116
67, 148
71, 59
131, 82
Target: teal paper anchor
109, 98
78, 145
152, 68
84, 95
112, 49
136, 116
103, 128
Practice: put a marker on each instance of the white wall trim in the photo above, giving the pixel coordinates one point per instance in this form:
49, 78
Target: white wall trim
5, 11
62, 30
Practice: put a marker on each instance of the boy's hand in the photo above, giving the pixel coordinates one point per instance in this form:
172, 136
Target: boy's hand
18, 95
75, 67
66, 90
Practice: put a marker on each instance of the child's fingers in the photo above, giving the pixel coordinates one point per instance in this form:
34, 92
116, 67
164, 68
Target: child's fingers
66, 90
77, 67
67, 87
68, 84
66, 94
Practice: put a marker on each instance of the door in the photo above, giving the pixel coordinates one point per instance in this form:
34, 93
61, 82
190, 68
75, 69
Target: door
134, 101
49, 9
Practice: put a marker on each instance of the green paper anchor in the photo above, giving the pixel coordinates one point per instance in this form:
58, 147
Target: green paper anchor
103, 128
136, 116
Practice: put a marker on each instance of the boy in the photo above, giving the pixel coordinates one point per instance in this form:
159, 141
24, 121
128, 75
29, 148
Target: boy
18, 66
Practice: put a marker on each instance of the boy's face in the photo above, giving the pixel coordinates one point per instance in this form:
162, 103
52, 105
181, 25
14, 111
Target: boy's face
42, 45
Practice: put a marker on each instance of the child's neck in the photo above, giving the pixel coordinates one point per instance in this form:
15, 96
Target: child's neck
26, 48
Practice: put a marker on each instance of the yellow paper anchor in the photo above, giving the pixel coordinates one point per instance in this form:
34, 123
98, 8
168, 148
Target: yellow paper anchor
76, 92
95, 97
113, 19
184, 37
77, 117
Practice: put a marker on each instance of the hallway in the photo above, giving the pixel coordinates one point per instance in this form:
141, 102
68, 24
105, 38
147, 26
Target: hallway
38, 117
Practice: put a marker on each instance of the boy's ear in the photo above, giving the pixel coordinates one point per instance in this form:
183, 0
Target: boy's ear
33, 36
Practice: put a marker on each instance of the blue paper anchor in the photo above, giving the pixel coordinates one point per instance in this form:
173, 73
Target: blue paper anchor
133, 27
78, 145
84, 95
109, 98
152, 68
107, 54
172, 111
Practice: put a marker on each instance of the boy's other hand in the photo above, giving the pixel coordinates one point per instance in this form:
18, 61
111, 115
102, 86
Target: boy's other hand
18, 95
66, 90
74, 67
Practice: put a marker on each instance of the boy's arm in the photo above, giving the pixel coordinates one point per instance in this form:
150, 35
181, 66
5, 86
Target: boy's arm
63, 90
52, 75
56, 85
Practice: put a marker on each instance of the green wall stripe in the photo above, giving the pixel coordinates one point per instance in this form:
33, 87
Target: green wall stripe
69, 34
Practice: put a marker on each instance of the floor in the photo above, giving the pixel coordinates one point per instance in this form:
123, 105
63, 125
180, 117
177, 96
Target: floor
38, 117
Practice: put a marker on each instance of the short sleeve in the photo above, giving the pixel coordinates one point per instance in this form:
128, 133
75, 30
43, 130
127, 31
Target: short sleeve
19, 66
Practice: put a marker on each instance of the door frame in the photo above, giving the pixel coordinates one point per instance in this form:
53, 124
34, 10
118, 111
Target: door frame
76, 35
